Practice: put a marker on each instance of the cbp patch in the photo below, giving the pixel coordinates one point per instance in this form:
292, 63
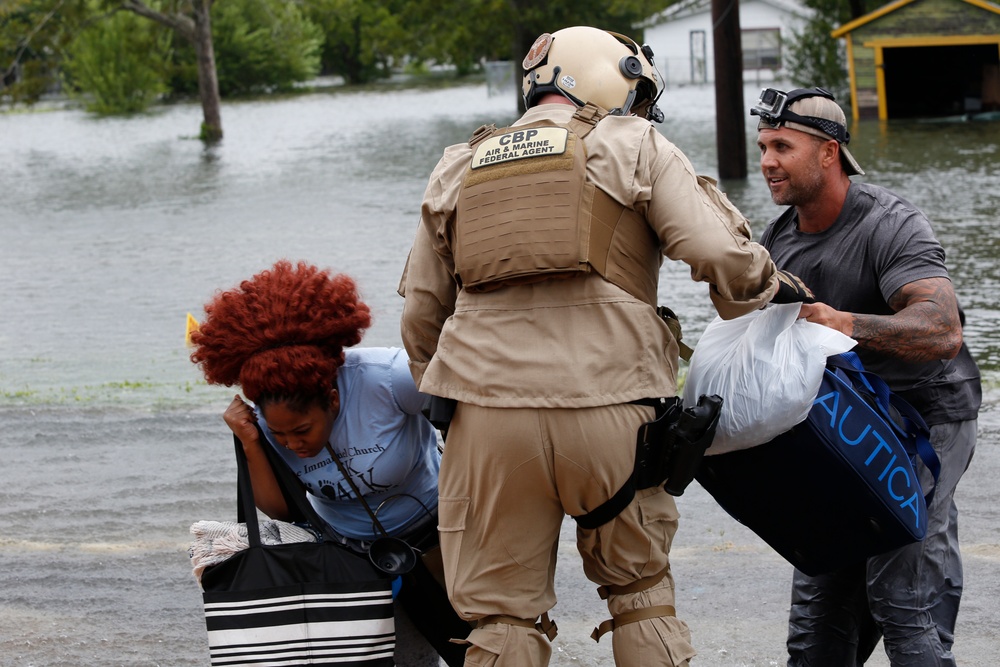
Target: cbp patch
517, 144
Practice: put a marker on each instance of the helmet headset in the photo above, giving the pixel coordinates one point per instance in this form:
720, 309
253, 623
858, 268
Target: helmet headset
585, 64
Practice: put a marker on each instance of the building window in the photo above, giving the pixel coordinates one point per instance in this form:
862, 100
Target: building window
761, 48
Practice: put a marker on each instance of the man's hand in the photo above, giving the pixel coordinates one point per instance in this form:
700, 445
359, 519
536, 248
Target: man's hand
820, 313
791, 289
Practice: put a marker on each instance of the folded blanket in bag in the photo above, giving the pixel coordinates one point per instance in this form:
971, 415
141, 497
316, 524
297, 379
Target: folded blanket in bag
839, 487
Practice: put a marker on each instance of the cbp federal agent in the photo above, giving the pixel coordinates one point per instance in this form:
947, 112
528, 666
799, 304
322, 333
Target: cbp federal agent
530, 300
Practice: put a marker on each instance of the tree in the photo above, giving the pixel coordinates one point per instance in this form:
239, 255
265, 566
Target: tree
195, 26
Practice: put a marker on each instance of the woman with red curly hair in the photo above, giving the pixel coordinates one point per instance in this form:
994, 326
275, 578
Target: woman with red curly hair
282, 337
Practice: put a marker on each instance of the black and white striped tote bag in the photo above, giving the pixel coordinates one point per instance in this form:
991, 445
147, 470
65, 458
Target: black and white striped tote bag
304, 603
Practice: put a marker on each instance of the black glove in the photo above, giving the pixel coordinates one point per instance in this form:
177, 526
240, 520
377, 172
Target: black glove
791, 289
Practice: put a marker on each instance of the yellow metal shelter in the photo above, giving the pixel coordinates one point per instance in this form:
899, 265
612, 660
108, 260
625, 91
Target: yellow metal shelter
924, 58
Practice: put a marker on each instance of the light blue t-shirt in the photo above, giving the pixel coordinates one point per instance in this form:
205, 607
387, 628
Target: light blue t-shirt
383, 440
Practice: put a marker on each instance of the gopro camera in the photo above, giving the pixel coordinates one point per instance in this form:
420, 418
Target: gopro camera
770, 104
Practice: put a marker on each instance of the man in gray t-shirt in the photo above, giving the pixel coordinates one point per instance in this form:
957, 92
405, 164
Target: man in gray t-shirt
878, 274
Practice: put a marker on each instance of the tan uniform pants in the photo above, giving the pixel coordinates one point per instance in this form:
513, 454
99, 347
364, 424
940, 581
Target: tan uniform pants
508, 478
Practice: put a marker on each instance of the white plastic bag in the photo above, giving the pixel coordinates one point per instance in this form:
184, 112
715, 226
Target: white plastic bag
767, 367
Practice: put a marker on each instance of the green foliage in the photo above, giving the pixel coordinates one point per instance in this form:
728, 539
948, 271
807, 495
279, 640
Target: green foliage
817, 59
116, 65
534, 18
32, 35
182, 69
363, 38
366, 39
814, 58
209, 134
36, 76
263, 45
461, 33
839, 12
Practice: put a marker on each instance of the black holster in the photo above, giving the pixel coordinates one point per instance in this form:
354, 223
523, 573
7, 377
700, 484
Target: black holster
668, 451
652, 453
687, 439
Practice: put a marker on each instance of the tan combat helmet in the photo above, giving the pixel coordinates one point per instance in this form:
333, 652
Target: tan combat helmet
587, 64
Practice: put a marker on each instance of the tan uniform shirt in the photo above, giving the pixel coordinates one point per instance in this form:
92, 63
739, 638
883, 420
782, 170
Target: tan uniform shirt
581, 342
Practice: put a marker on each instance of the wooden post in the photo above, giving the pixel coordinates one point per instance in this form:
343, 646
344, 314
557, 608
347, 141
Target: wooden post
730, 114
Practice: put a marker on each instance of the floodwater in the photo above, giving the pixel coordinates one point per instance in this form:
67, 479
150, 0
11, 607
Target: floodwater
112, 230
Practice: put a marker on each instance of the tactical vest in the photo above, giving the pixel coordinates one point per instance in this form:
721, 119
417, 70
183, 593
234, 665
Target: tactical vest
527, 213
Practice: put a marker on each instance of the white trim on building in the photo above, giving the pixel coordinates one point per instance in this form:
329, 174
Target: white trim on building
681, 39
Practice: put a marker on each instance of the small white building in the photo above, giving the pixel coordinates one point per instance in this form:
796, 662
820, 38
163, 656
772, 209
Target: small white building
681, 39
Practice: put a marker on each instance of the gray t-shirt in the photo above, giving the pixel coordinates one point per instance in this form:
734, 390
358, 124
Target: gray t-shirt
879, 243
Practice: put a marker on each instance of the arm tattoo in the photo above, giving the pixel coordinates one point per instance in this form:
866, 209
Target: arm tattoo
925, 326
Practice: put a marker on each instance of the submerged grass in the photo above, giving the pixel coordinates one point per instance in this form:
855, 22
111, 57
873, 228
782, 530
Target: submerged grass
136, 393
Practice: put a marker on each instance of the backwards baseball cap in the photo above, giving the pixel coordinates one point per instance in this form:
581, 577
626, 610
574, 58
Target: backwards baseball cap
810, 110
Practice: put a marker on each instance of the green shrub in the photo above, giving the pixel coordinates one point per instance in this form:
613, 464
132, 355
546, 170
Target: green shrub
816, 59
263, 45
36, 79
362, 38
117, 64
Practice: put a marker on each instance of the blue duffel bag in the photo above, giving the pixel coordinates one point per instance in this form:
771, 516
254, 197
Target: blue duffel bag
839, 487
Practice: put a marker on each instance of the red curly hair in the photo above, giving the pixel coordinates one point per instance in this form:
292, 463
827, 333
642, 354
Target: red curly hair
280, 336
